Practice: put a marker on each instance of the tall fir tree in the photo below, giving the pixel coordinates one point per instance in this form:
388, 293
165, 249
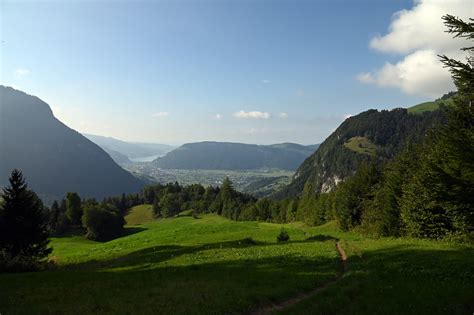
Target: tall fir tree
440, 198
23, 226
74, 208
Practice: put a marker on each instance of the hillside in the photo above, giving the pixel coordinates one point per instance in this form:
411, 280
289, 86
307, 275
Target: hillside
130, 150
212, 265
234, 156
370, 135
54, 158
446, 99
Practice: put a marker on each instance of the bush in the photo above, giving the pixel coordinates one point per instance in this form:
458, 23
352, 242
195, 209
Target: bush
102, 224
283, 236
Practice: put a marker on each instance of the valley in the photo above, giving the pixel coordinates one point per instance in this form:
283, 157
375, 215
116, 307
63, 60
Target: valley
241, 178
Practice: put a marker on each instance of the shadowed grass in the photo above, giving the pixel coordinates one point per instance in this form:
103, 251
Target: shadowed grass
217, 266
175, 266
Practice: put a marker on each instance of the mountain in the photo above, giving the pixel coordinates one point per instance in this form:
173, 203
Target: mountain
118, 157
54, 158
234, 156
371, 135
130, 150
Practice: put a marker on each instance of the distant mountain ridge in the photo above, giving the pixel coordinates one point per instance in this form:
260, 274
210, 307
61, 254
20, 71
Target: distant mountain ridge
123, 151
211, 155
54, 158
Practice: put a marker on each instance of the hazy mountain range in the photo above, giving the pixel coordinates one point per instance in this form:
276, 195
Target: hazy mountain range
54, 158
124, 152
210, 155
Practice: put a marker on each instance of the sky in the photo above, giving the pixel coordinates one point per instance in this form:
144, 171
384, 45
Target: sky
234, 70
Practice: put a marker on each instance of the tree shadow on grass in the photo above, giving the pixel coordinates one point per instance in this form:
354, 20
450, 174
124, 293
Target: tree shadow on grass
162, 253
225, 285
127, 231
321, 238
399, 279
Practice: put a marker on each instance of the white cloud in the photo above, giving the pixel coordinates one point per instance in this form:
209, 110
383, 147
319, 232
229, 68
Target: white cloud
161, 114
252, 114
419, 35
283, 115
22, 72
266, 81
419, 73
217, 116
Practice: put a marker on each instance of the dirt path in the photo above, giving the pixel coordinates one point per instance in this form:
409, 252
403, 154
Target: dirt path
303, 296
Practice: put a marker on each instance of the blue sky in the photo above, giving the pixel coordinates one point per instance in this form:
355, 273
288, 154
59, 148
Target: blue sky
246, 71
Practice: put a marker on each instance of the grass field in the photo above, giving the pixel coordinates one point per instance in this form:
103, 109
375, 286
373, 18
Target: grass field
361, 145
212, 265
139, 215
429, 106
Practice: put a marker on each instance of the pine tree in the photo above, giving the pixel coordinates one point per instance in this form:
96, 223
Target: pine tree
74, 208
23, 226
439, 200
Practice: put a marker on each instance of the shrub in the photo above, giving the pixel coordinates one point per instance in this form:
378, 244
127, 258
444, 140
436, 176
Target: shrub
101, 223
283, 236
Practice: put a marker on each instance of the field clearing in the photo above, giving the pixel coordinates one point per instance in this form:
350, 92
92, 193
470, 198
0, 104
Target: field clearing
212, 265
361, 145
139, 215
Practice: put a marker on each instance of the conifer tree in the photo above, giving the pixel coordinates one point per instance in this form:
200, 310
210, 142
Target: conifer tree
74, 208
23, 226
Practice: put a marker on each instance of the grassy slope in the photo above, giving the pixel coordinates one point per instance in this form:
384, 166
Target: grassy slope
205, 266
424, 107
181, 265
361, 145
397, 276
139, 215
429, 106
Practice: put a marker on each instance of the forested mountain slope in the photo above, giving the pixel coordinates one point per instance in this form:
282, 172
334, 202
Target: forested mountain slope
371, 135
54, 158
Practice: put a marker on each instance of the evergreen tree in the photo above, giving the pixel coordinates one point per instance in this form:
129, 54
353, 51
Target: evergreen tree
54, 216
74, 208
23, 227
440, 198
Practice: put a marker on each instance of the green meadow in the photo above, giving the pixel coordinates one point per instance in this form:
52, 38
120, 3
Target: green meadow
211, 265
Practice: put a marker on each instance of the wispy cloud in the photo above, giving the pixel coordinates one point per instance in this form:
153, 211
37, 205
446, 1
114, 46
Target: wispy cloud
283, 115
252, 115
217, 116
160, 114
22, 72
266, 81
